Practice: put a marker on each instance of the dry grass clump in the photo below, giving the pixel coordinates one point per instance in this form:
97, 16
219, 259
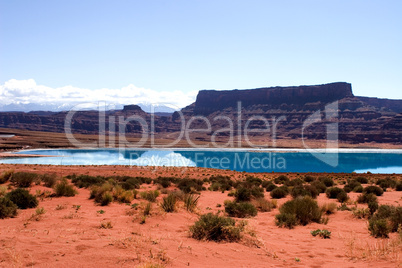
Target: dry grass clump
328, 208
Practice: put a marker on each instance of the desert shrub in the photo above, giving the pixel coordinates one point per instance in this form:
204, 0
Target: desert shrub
295, 182
49, 180
379, 228
221, 183
23, 179
216, 228
147, 209
106, 198
270, 186
3, 190
263, 205
22, 198
333, 192
361, 213
309, 178
251, 182
282, 179
362, 179
85, 181
279, 192
6, 175
319, 185
344, 207
373, 190
304, 190
328, 182
328, 208
351, 185
373, 206
366, 198
102, 194
150, 195
342, 197
7, 208
169, 203
63, 188
398, 186
243, 194
286, 220
321, 233
190, 185
358, 189
240, 210
305, 210
131, 184
190, 202
386, 183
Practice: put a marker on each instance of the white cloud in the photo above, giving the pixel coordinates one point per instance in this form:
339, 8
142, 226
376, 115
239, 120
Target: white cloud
27, 92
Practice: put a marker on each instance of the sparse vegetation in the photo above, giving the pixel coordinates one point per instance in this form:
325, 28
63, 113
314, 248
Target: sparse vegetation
240, 210
63, 188
23, 179
190, 202
22, 198
279, 192
321, 233
299, 211
216, 228
7, 208
169, 203
150, 195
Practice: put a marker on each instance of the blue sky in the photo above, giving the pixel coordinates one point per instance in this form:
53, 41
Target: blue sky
186, 46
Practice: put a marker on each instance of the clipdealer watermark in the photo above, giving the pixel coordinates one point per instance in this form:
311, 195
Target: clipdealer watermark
112, 133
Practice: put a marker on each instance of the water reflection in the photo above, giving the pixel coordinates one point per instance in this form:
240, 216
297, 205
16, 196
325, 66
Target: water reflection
378, 162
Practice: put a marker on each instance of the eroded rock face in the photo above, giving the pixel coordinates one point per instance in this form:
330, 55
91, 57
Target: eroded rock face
209, 101
360, 119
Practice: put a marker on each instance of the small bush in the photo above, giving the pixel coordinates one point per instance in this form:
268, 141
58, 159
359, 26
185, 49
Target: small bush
309, 178
243, 194
361, 213
131, 184
106, 199
106, 225
333, 192
366, 198
23, 179
5, 176
263, 205
63, 188
3, 190
287, 220
190, 185
306, 190
295, 182
398, 186
379, 228
358, 189
147, 209
328, 208
342, 197
240, 210
279, 192
216, 228
49, 180
362, 180
373, 190
328, 182
7, 208
282, 179
305, 209
190, 202
270, 186
320, 186
373, 206
150, 195
321, 233
169, 203
22, 198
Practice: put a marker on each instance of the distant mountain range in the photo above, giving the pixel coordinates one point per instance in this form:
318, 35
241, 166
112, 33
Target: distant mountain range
359, 119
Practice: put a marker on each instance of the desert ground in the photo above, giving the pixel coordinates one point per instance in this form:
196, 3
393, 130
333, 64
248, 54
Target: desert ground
76, 232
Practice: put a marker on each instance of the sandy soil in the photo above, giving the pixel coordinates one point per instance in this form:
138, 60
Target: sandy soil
69, 237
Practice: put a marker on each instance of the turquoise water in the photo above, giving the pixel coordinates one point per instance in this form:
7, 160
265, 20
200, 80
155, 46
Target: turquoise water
379, 161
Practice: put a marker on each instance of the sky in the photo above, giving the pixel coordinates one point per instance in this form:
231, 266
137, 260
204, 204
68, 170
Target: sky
166, 51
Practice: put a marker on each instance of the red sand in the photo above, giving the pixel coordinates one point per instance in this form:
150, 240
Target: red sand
73, 238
